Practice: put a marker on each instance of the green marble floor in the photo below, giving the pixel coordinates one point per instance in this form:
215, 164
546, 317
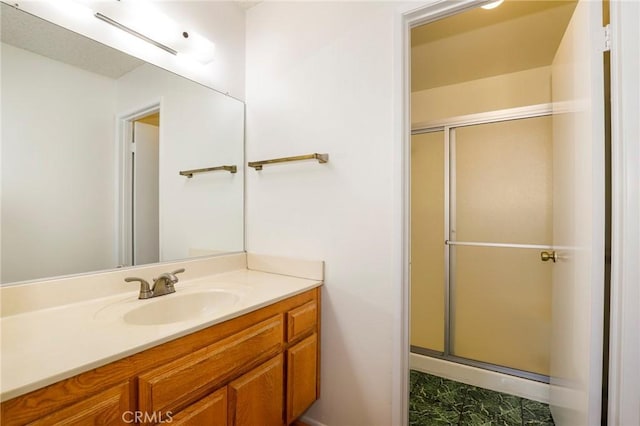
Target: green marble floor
437, 401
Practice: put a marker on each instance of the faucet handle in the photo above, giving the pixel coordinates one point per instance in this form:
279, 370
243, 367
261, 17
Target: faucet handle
145, 290
170, 276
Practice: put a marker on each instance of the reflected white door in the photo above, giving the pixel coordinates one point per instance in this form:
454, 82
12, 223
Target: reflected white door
146, 224
578, 220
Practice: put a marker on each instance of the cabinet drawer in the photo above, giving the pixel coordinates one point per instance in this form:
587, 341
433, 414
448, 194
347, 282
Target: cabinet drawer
301, 320
110, 407
189, 378
210, 410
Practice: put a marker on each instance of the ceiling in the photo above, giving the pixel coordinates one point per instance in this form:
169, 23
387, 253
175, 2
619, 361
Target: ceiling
36, 35
516, 36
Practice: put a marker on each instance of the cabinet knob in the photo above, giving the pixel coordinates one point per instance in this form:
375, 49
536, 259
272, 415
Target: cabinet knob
546, 256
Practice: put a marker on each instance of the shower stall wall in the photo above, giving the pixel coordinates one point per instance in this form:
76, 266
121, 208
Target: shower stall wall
481, 224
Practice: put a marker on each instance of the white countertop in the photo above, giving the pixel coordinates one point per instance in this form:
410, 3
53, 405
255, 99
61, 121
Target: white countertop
44, 346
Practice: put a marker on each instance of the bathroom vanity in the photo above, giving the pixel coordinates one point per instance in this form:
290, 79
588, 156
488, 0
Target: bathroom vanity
246, 354
238, 341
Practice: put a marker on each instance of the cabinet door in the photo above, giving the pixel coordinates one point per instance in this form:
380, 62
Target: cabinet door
210, 410
257, 397
302, 376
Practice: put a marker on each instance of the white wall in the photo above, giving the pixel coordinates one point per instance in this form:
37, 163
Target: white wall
198, 128
326, 77
221, 22
57, 168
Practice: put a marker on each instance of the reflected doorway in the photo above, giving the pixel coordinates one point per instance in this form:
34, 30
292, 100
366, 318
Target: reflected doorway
145, 239
140, 188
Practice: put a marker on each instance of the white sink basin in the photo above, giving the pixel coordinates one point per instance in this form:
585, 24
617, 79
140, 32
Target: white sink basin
180, 307
172, 308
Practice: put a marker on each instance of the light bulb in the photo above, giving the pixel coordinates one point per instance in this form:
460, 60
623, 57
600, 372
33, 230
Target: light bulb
73, 9
492, 5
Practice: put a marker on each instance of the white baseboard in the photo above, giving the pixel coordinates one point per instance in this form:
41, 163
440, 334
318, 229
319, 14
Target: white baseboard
311, 422
499, 382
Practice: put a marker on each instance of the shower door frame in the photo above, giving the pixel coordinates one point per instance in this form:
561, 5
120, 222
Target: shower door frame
446, 126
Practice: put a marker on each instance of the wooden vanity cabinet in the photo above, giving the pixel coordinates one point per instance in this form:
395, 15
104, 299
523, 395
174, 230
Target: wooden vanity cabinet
261, 368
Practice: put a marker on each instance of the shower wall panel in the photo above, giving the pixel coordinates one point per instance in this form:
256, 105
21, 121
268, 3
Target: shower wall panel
427, 241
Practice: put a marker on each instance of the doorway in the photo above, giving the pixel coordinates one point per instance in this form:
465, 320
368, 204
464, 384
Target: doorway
145, 238
140, 227
574, 302
483, 215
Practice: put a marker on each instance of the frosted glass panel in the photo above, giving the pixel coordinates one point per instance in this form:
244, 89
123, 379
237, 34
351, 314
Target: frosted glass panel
503, 178
427, 241
501, 300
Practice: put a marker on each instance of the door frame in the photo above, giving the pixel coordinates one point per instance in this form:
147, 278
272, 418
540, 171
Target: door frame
123, 204
624, 341
624, 364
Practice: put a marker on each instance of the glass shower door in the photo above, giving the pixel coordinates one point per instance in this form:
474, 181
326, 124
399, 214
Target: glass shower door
500, 219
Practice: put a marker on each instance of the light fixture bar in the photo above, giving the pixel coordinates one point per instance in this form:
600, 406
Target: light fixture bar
124, 28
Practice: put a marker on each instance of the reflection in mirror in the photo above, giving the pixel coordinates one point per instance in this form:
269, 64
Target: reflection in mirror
93, 141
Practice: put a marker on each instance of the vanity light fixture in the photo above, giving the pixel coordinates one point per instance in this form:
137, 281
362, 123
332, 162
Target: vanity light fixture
144, 20
126, 29
492, 5
196, 46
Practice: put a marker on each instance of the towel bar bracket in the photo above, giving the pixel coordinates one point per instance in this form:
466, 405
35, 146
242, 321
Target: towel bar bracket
190, 173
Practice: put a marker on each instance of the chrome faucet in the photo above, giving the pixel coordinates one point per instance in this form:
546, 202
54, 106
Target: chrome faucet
162, 285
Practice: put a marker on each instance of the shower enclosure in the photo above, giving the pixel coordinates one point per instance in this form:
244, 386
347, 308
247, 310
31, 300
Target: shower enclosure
481, 234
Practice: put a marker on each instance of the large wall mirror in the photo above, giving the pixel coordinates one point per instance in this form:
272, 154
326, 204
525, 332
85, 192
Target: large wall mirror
93, 141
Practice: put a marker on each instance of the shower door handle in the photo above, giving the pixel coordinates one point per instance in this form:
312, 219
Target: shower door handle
546, 256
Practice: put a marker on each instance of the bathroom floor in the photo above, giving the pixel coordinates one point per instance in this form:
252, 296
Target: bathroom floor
438, 401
